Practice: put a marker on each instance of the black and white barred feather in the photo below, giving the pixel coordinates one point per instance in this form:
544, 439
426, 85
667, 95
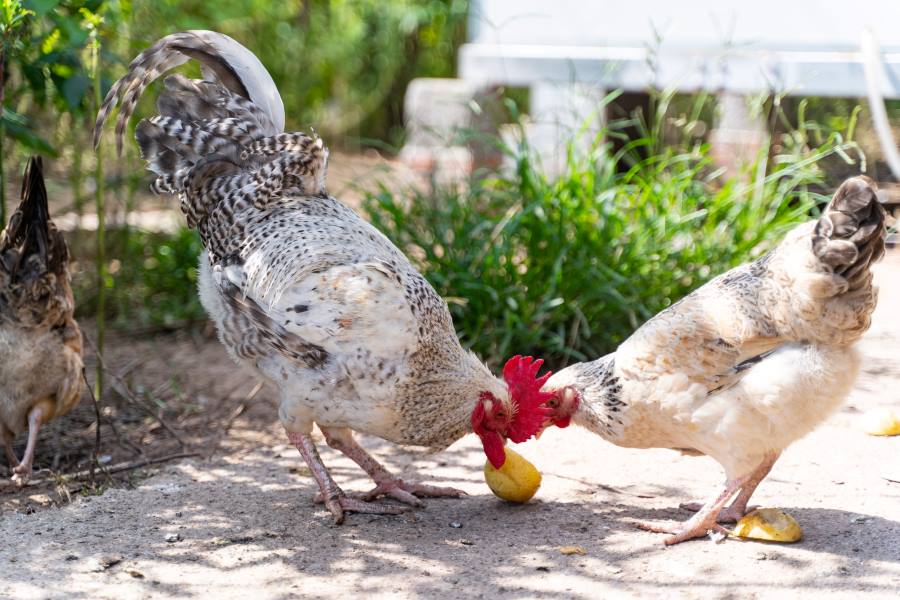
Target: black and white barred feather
216, 144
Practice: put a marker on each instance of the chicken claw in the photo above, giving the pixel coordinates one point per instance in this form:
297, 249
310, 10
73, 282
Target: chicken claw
339, 503
690, 529
386, 484
21, 474
704, 521
408, 492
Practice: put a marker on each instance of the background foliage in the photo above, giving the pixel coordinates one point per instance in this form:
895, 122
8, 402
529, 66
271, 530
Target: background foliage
564, 268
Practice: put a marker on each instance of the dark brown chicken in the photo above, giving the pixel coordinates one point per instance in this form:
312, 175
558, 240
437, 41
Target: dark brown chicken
40, 342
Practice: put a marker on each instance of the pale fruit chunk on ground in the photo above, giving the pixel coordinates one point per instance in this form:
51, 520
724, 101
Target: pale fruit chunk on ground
516, 481
881, 421
770, 525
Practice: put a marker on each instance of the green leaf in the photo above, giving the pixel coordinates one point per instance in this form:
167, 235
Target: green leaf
20, 129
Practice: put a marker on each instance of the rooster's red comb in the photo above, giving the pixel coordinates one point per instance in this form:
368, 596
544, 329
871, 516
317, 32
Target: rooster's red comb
520, 373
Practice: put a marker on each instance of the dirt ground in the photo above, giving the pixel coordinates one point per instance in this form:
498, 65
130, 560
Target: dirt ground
238, 521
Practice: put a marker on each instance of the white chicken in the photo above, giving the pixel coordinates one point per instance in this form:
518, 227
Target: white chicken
745, 365
302, 288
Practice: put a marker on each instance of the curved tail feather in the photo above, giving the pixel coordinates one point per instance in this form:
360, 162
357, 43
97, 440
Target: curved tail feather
217, 144
233, 65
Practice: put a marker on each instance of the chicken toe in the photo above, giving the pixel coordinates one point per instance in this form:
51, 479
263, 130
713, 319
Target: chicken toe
329, 492
386, 484
703, 522
409, 493
339, 503
700, 525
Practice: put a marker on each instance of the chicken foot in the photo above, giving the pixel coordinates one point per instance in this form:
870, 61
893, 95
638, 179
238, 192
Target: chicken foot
334, 497
22, 471
701, 523
386, 484
738, 508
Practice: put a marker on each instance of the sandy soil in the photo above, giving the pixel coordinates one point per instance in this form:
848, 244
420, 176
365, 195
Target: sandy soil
241, 523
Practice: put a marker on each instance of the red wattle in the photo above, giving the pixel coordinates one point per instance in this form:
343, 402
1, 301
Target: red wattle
493, 448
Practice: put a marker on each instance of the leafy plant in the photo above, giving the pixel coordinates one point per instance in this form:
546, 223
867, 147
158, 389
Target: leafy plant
341, 67
12, 20
567, 268
151, 282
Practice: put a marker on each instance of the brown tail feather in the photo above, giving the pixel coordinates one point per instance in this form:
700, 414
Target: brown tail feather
849, 236
30, 232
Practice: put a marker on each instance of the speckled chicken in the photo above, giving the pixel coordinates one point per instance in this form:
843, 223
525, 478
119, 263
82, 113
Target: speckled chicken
40, 342
303, 289
745, 365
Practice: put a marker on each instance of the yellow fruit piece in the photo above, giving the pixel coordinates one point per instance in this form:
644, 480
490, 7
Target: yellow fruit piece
881, 421
770, 525
516, 481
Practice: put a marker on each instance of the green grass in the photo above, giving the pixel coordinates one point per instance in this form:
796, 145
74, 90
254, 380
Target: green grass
566, 269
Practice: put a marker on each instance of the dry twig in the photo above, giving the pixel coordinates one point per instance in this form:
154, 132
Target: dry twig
126, 466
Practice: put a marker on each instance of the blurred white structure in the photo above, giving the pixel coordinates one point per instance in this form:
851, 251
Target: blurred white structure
561, 48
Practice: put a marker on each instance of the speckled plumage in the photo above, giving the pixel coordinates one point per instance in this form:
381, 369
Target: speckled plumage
40, 342
754, 359
299, 286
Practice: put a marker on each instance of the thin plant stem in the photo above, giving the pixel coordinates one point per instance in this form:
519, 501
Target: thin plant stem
99, 191
2, 138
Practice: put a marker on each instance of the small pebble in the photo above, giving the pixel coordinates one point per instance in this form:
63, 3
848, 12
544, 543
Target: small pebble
173, 537
456, 525
98, 565
135, 573
760, 556
466, 542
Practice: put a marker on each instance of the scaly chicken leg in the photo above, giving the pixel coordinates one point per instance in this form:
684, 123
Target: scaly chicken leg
335, 498
22, 471
738, 508
704, 521
386, 483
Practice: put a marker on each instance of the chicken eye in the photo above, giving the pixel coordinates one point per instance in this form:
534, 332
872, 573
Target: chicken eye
500, 415
553, 403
